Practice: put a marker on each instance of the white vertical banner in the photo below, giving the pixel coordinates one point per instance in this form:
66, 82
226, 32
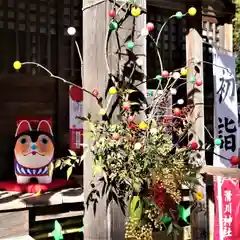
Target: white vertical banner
225, 129
226, 108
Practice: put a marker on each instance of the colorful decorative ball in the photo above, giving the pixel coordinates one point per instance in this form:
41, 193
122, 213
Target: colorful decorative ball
150, 92
71, 31
137, 146
112, 90
76, 94
17, 65
111, 13
218, 141
177, 111
130, 44
235, 160
102, 112
192, 11
193, 79
199, 82
113, 25
139, 62
131, 118
158, 77
180, 101
115, 136
135, 11
199, 196
95, 92
126, 106
184, 72
173, 91
150, 26
194, 145
179, 15
176, 75
165, 73
143, 126
144, 32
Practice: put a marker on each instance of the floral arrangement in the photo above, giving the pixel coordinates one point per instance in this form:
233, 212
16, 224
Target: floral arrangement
136, 163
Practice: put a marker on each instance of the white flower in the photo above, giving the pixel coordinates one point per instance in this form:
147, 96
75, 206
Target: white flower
137, 146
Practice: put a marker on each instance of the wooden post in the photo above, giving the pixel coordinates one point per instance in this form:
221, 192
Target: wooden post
109, 224
194, 51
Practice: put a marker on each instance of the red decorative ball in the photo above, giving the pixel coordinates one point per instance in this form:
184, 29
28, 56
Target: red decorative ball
95, 92
76, 94
165, 73
150, 26
235, 160
111, 13
177, 112
126, 106
116, 136
131, 118
199, 82
194, 145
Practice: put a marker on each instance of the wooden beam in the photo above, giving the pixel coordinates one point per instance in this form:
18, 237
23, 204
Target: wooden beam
194, 51
14, 224
105, 224
95, 76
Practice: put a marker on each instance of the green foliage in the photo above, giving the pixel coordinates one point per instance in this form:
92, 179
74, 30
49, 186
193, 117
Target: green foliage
236, 26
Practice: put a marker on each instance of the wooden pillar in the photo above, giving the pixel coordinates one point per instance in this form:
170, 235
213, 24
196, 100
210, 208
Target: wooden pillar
194, 51
109, 224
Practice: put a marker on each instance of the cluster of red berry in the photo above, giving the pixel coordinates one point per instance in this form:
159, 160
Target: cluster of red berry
159, 194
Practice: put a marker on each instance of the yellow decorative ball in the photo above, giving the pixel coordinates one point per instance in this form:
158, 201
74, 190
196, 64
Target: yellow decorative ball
199, 196
112, 90
143, 126
183, 72
135, 11
17, 65
102, 112
192, 11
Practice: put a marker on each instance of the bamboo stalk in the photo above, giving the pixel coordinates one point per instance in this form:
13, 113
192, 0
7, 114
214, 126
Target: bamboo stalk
50, 234
50, 225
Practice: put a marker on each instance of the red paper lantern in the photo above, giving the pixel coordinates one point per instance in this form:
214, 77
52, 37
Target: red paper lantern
76, 94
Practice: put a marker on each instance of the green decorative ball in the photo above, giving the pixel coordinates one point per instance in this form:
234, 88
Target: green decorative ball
179, 15
218, 141
150, 92
193, 79
158, 77
113, 25
130, 44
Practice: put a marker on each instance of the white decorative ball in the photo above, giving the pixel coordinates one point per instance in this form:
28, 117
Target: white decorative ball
71, 31
139, 62
180, 101
173, 91
176, 75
